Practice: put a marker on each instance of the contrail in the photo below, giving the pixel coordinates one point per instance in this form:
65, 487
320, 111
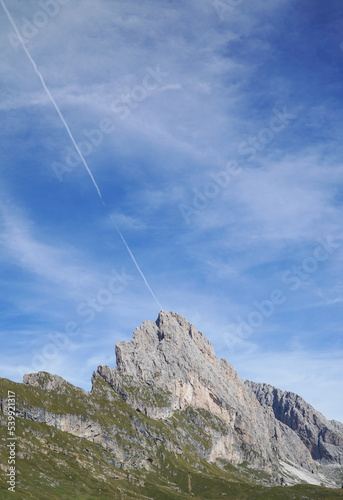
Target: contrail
135, 262
51, 98
76, 146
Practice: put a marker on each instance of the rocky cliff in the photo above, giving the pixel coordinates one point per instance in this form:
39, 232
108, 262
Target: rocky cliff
169, 395
264, 424
323, 439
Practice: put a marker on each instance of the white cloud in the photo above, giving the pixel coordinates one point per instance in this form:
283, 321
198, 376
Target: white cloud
58, 265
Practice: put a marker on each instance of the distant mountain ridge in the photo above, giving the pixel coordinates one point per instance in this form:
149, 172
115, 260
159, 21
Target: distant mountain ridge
170, 396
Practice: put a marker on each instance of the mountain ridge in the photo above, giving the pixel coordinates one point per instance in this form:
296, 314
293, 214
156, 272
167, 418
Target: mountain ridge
168, 375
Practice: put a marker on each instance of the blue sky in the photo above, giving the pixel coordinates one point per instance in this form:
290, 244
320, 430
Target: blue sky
213, 131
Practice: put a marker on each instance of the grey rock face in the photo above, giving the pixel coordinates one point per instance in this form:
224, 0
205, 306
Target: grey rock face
146, 398
324, 439
172, 355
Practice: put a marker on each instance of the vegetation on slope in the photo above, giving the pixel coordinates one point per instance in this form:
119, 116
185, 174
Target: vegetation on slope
56, 465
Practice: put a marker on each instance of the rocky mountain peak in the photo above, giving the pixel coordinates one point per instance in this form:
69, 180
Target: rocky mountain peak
161, 346
173, 357
171, 325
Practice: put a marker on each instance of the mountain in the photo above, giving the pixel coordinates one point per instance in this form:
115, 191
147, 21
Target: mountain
170, 421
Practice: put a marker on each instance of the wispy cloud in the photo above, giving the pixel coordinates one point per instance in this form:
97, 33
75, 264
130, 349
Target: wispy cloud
215, 104
58, 265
